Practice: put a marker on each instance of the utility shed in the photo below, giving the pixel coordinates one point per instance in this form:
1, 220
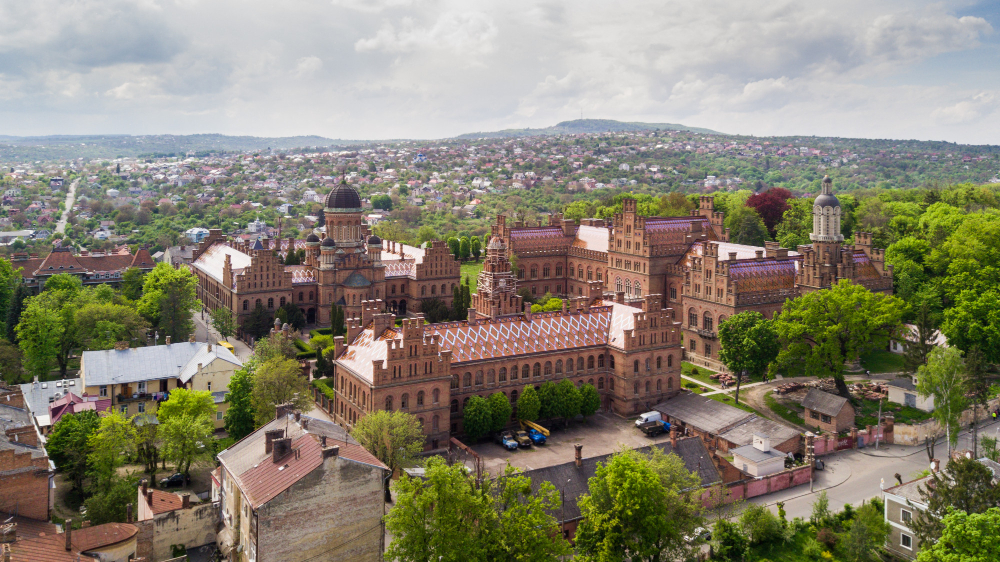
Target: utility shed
828, 412
724, 427
758, 458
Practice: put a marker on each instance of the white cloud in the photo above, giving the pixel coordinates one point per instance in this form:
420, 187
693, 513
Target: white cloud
462, 33
308, 66
371, 6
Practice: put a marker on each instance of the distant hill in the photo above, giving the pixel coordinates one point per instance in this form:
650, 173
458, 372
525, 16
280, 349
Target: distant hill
579, 126
59, 147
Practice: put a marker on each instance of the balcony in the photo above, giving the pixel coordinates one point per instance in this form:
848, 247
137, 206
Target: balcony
134, 397
707, 334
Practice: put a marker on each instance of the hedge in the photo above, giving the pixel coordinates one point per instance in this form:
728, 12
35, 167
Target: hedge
323, 387
321, 332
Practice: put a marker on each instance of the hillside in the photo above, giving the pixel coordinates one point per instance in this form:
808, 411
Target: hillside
581, 126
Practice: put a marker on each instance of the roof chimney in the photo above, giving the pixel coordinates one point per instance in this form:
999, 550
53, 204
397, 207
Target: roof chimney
145, 486
270, 436
673, 436
209, 347
128, 513
579, 455
68, 528
185, 501
168, 340
281, 449
149, 498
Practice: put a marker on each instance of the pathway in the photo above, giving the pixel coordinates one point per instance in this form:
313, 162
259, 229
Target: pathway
70, 200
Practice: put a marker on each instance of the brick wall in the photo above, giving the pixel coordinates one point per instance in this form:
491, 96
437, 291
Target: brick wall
191, 527
24, 485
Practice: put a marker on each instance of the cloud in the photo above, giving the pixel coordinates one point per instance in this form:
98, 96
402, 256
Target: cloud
402, 68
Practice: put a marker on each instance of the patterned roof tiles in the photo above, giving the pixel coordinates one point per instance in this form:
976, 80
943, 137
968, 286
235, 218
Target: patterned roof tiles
536, 233
400, 268
673, 224
749, 276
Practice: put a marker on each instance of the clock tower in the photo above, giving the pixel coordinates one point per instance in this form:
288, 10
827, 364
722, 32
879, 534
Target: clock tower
496, 294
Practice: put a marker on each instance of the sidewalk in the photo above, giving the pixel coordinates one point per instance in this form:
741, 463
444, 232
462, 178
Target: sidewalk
204, 332
904, 451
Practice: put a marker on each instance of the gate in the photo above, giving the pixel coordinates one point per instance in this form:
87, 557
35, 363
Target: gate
845, 443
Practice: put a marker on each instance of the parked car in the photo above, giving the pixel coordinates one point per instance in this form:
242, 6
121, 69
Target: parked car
522, 439
537, 437
648, 417
506, 440
699, 535
174, 480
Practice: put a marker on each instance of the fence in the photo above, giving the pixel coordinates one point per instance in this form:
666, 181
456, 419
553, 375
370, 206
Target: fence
916, 434
753, 487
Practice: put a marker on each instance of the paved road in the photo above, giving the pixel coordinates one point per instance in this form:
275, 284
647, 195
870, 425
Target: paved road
203, 332
70, 200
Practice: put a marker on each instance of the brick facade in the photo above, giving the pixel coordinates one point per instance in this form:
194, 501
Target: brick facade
24, 465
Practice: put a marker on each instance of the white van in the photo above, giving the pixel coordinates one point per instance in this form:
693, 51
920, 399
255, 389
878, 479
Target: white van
648, 417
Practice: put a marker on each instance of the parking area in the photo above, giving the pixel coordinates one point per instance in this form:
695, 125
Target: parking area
600, 434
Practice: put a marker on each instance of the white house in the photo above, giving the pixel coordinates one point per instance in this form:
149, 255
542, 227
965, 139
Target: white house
903, 391
758, 459
196, 234
910, 335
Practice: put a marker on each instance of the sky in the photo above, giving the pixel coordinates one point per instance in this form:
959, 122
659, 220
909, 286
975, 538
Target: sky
383, 69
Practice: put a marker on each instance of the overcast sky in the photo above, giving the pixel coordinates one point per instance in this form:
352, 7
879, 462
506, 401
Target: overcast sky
367, 69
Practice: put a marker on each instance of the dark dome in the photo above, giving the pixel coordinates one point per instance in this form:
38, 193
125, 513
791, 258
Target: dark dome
343, 197
374, 239
328, 242
312, 237
827, 200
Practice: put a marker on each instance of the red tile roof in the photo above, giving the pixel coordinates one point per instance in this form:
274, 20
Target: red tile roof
40, 541
107, 534
164, 502
268, 479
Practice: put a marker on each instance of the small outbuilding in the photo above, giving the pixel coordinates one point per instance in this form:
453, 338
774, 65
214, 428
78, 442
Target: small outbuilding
828, 412
903, 391
758, 458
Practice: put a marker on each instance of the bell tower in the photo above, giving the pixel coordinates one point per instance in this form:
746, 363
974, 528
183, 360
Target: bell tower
496, 294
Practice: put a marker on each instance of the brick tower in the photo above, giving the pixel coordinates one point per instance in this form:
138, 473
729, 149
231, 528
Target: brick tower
496, 294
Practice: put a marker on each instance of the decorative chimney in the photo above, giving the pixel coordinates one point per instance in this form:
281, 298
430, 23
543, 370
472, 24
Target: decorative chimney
281, 449
185, 501
168, 340
579, 455
68, 528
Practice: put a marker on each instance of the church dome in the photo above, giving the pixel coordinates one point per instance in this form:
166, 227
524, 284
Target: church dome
827, 198
374, 240
343, 197
312, 238
328, 242
496, 243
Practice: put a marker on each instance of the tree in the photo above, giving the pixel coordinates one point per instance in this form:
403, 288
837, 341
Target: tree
771, 206
11, 369
291, 315
500, 410
866, 537
223, 322
759, 525
15, 308
627, 514
168, 300
926, 334
464, 248
749, 343
978, 384
590, 400
186, 438
239, 417
39, 333
186, 402
477, 417
434, 310
974, 321
823, 330
110, 504
132, 282
278, 381
337, 322
730, 544
475, 247
147, 443
964, 485
966, 537
458, 308
528, 404
569, 400
446, 516
100, 325
746, 227
455, 247
943, 377
69, 444
110, 446
383, 202
259, 323
9, 279
395, 438
549, 397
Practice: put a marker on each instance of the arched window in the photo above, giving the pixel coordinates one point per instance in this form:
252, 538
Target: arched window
579, 363
569, 270
659, 385
670, 384
546, 270
257, 303
404, 401
611, 384
454, 406
548, 368
420, 398
569, 365
454, 381
435, 423
491, 377
388, 403
559, 366
525, 371
599, 275
670, 361
637, 289
465, 403
600, 361
479, 378
558, 270
635, 366
611, 361
467, 380
538, 369
534, 272
300, 296
513, 398
246, 304
659, 362
503, 374
600, 383
590, 274
281, 302
270, 302
708, 321
628, 288
636, 388
520, 273
590, 362
579, 272
647, 363
618, 284
436, 396
442, 288
692, 318
590, 382
647, 387
423, 290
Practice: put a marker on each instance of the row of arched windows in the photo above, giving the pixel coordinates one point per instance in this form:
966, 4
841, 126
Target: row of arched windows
648, 363
707, 321
404, 400
527, 370
633, 289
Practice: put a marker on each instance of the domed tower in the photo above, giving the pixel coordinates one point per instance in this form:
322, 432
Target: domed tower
312, 249
375, 249
496, 294
343, 216
328, 253
826, 215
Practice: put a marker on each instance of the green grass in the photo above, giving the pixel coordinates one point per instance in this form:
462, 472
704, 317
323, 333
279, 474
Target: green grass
694, 387
784, 412
703, 374
320, 332
882, 361
867, 412
727, 399
471, 270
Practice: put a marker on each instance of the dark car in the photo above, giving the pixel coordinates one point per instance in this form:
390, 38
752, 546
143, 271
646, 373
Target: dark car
174, 480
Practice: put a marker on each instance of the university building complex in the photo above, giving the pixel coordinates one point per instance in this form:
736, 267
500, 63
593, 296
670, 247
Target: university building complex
641, 294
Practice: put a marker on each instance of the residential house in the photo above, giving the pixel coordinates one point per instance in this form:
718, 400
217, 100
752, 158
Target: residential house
166, 520
758, 458
137, 379
300, 488
25, 469
26, 540
828, 412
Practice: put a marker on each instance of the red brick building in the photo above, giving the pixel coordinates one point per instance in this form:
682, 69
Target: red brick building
25, 474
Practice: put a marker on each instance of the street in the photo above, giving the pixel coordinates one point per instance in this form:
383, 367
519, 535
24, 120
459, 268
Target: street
70, 200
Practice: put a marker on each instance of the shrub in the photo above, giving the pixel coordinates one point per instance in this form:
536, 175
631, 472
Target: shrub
813, 549
827, 537
694, 371
760, 525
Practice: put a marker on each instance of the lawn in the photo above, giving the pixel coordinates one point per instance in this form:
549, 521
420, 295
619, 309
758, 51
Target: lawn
693, 387
867, 413
703, 373
786, 413
471, 270
727, 399
882, 361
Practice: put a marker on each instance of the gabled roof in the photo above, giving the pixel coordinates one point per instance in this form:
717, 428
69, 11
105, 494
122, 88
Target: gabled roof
823, 402
142, 259
177, 360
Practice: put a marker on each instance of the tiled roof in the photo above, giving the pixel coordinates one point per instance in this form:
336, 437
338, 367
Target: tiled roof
673, 224
537, 233
399, 268
763, 275
865, 268
704, 414
16, 418
48, 547
356, 280
823, 402
91, 538
60, 260
301, 273
142, 259
592, 238
213, 260
165, 501
268, 479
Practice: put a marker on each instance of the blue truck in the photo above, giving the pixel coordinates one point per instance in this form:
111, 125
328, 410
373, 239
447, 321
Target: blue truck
537, 437
506, 440
653, 428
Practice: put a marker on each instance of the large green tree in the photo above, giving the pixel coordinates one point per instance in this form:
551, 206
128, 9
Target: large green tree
630, 514
746, 227
964, 485
865, 539
528, 404
477, 418
259, 323
110, 446
223, 321
500, 410
110, 504
132, 282
570, 399
100, 325
943, 377
395, 438
965, 537
16, 305
239, 417
749, 344
169, 299
278, 381
9, 279
590, 400
39, 334
69, 445
823, 330
974, 321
